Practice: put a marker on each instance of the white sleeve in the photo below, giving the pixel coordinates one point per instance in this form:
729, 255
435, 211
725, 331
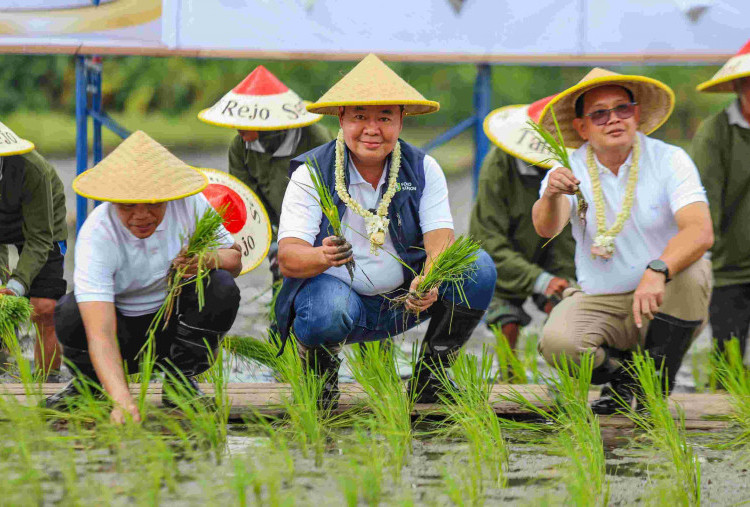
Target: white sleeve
201, 204
434, 208
95, 264
300, 212
683, 184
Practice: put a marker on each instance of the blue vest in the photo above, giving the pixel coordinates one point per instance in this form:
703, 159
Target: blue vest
403, 214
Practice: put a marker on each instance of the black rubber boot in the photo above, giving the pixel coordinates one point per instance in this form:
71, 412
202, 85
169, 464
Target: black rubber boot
449, 329
323, 361
190, 354
667, 341
85, 379
620, 387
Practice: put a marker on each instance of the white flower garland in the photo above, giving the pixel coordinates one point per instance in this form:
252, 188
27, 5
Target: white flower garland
376, 224
604, 242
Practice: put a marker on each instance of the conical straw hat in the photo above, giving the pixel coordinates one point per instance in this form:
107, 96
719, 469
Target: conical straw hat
372, 83
507, 127
259, 102
139, 170
656, 101
11, 144
737, 67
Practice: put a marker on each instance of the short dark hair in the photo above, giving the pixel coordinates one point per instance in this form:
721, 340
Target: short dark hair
579, 100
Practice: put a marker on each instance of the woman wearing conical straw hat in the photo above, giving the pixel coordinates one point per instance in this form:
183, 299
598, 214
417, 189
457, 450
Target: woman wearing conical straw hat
122, 256
721, 150
501, 220
639, 250
32, 218
273, 127
390, 196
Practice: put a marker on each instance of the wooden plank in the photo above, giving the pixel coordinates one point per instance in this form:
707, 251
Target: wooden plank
700, 409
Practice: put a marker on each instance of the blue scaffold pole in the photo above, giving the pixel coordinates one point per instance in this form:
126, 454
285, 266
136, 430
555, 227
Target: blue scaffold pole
82, 150
482, 104
94, 68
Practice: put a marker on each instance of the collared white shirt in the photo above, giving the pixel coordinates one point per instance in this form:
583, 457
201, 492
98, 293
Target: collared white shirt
114, 266
301, 217
734, 113
667, 181
285, 149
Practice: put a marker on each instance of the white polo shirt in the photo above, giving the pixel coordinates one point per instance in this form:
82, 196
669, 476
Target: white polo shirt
114, 266
667, 181
301, 217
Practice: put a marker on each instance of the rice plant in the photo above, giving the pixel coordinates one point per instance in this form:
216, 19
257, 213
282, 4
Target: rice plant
14, 312
362, 476
665, 435
731, 372
252, 349
511, 369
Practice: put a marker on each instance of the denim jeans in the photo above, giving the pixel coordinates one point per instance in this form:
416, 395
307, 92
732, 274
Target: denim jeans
328, 311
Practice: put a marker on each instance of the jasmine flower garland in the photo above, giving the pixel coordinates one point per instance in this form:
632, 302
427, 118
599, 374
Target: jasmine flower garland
604, 242
376, 224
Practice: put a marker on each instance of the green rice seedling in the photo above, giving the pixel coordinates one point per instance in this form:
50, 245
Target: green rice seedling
734, 376
467, 404
701, 367
374, 367
253, 350
511, 369
14, 312
531, 356
667, 436
361, 477
463, 485
201, 246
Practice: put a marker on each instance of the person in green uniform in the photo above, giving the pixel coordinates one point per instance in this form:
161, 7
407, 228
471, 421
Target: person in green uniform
273, 128
501, 219
32, 218
721, 151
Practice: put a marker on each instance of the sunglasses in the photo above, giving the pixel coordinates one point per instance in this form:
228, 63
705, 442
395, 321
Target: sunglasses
623, 112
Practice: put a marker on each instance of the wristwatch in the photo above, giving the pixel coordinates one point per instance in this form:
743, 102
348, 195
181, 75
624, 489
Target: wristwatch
659, 266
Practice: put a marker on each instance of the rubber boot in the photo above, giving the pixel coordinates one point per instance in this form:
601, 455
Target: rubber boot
84, 380
667, 341
190, 354
323, 361
620, 386
449, 329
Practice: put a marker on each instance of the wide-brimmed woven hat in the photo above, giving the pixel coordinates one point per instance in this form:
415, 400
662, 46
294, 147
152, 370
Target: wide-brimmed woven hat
656, 101
372, 83
11, 144
507, 127
260, 102
139, 170
736, 67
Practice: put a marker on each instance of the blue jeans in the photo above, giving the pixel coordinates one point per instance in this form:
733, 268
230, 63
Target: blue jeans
328, 311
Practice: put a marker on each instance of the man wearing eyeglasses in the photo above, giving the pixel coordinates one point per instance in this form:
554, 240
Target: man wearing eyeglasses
721, 150
639, 242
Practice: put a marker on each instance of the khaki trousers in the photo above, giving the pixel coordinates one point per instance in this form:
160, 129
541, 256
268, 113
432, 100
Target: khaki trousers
582, 323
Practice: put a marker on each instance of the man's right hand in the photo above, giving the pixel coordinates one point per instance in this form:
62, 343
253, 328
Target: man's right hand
556, 286
124, 408
561, 181
336, 251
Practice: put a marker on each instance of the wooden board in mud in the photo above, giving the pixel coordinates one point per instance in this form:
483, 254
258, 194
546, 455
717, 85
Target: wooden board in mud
701, 410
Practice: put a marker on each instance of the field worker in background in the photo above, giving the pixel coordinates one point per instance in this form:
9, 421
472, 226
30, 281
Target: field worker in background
639, 252
273, 128
501, 220
721, 150
123, 253
402, 194
32, 218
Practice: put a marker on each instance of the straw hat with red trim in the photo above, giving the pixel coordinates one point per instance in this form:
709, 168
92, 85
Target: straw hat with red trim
371, 83
139, 170
507, 127
260, 102
656, 101
11, 144
736, 68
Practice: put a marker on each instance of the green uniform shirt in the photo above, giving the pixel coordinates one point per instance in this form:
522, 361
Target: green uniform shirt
268, 176
721, 152
501, 221
32, 212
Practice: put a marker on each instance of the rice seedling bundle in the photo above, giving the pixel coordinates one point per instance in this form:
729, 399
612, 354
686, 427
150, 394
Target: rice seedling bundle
14, 312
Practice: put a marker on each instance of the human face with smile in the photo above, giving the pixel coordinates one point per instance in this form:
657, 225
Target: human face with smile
371, 133
141, 219
616, 134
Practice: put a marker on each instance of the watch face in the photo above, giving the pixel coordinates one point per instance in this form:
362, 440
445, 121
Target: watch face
658, 265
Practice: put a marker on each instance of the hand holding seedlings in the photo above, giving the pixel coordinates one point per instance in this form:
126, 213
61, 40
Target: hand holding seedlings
124, 408
561, 181
7, 292
336, 251
417, 302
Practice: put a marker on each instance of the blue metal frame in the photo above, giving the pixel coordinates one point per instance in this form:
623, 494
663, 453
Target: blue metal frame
89, 84
482, 102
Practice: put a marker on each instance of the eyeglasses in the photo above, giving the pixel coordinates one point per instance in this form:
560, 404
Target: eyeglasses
623, 112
